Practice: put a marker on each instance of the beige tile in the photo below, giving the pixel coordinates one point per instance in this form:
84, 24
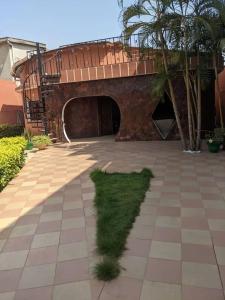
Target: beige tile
192, 212
37, 276
72, 251
220, 255
160, 291
133, 266
15, 205
147, 220
30, 210
141, 232
73, 223
77, 290
72, 205
88, 196
2, 243
201, 237
7, 222
171, 222
45, 239
201, 275
7, 296
51, 216
165, 250
23, 230
216, 224
13, 260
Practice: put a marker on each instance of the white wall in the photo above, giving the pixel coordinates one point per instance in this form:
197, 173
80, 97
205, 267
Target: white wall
10, 55
5, 62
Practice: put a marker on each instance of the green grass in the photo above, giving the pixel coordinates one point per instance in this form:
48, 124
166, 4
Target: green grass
117, 201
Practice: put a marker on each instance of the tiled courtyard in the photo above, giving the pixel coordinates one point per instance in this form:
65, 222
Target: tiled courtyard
176, 249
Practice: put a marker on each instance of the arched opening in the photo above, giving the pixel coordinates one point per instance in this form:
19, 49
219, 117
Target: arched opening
164, 117
91, 117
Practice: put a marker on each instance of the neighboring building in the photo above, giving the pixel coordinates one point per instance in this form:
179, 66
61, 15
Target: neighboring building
102, 87
12, 50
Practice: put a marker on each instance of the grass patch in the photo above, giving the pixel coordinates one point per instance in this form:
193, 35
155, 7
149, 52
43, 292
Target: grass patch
117, 201
107, 269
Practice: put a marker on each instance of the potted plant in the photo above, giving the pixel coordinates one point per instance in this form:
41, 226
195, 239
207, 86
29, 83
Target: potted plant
28, 136
213, 145
41, 141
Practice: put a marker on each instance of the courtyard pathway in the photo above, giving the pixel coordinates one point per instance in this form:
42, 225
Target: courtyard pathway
176, 249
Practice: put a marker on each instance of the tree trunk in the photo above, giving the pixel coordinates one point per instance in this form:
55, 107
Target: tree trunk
218, 91
186, 79
199, 105
173, 99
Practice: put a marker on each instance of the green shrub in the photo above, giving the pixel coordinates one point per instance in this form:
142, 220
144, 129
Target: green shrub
11, 158
10, 130
41, 140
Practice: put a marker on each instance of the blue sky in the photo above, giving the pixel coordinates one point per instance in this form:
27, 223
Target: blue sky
59, 22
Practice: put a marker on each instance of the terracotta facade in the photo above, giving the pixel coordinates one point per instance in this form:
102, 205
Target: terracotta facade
132, 95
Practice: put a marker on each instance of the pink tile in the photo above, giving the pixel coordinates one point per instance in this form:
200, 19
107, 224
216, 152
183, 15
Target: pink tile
20, 243
136, 247
167, 234
194, 223
122, 288
45, 255
215, 213
189, 189
211, 196
4, 234
88, 203
72, 235
73, 270
218, 238
198, 253
162, 270
9, 280
197, 293
54, 207
170, 195
45, 227
29, 219
42, 293
90, 221
222, 274
169, 211
72, 213
190, 203
96, 288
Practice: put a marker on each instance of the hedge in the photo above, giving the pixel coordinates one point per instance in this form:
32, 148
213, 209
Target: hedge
11, 158
10, 130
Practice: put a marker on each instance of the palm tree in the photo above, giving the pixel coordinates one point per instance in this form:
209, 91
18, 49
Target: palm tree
187, 29
148, 19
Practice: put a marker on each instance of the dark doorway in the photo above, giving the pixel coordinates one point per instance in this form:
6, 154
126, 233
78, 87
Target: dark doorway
163, 117
109, 116
92, 116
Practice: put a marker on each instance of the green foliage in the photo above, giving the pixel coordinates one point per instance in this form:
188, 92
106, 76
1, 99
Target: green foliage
11, 158
107, 270
41, 140
10, 130
118, 199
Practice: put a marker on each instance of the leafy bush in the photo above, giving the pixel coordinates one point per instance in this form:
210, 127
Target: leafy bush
11, 158
41, 140
10, 130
